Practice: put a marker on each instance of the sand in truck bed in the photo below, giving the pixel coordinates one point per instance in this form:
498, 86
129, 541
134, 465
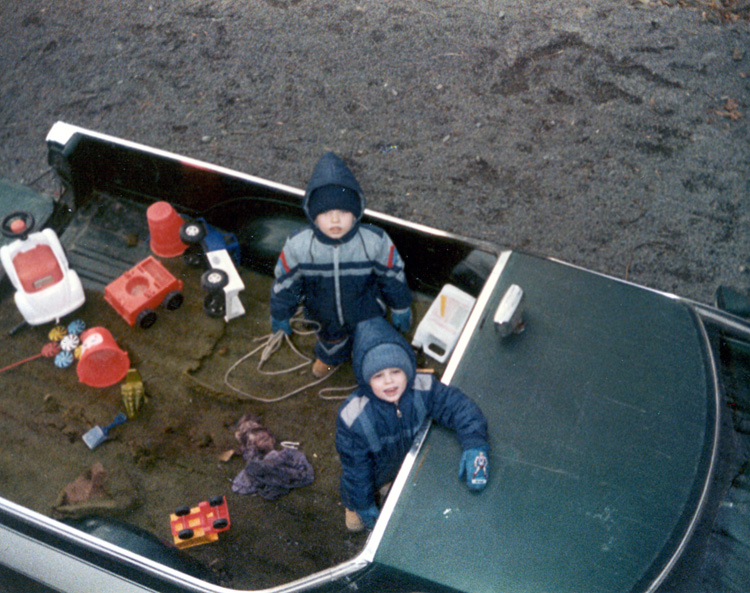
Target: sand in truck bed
171, 453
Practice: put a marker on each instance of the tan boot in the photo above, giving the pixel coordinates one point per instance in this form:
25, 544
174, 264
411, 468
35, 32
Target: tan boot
320, 369
353, 522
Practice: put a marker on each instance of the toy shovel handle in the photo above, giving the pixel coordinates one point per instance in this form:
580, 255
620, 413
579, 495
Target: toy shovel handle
119, 419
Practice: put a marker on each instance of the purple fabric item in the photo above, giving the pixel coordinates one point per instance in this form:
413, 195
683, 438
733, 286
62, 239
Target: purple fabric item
274, 475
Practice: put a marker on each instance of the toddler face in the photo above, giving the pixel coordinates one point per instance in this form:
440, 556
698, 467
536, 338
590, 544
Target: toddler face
335, 223
389, 384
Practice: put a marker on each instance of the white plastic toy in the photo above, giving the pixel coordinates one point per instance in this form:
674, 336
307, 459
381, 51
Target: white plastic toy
46, 288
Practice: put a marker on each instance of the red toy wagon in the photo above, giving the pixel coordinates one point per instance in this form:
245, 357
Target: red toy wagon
201, 524
136, 293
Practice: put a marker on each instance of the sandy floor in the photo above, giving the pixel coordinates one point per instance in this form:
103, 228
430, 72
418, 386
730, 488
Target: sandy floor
170, 454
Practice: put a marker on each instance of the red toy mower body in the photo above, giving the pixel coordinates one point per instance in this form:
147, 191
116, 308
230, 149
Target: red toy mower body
136, 293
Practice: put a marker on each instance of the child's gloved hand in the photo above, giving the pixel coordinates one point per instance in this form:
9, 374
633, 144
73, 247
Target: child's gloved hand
475, 468
369, 516
401, 320
281, 324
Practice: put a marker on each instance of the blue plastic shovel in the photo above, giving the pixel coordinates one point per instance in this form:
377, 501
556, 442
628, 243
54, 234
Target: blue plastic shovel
97, 435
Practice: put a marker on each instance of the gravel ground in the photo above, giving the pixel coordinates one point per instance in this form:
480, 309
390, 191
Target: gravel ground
610, 134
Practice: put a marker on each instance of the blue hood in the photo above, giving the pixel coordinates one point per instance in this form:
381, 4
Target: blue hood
374, 332
331, 170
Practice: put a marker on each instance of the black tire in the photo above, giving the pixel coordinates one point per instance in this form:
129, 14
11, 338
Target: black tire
173, 300
194, 257
192, 233
146, 318
214, 280
26, 217
215, 304
186, 534
182, 511
220, 523
215, 501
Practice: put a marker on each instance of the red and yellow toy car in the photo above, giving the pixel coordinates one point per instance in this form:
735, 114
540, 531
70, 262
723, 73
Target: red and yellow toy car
201, 524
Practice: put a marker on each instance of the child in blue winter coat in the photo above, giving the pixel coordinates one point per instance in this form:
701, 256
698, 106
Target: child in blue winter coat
377, 424
341, 270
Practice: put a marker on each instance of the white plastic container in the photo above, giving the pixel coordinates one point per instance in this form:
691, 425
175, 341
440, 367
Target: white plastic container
438, 332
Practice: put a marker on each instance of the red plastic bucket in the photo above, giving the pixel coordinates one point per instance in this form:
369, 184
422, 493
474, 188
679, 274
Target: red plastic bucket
102, 362
164, 224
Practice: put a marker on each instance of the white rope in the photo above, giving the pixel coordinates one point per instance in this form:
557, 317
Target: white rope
270, 344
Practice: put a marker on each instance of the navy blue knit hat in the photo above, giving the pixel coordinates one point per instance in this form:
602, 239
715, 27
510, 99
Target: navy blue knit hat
386, 356
334, 197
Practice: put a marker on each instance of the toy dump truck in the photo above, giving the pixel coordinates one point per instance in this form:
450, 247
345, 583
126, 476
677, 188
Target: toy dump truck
136, 293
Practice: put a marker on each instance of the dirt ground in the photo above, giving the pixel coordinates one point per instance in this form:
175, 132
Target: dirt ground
610, 134
172, 453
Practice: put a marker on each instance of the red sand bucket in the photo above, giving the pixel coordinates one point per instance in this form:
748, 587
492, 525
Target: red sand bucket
164, 224
102, 362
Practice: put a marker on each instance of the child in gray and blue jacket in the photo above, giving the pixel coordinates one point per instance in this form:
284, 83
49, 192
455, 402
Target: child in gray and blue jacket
377, 424
340, 270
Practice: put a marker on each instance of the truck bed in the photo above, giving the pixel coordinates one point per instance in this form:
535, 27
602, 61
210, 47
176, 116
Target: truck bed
173, 453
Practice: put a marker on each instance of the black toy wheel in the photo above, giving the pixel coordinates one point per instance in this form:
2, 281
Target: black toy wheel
215, 305
182, 511
173, 300
18, 225
192, 232
194, 257
215, 501
146, 318
220, 523
186, 534
214, 280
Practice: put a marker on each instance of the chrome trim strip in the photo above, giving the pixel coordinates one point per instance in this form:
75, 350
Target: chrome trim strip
373, 542
700, 507
67, 572
475, 317
61, 133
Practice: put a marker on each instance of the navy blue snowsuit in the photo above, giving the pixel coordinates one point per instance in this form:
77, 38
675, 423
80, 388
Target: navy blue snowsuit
342, 281
373, 436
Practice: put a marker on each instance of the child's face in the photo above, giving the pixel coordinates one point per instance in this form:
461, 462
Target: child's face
335, 223
389, 384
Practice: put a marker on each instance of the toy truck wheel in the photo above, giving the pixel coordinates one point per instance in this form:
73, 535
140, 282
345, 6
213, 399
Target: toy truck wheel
146, 318
215, 501
186, 534
182, 511
214, 280
173, 300
215, 305
192, 233
220, 523
18, 225
194, 256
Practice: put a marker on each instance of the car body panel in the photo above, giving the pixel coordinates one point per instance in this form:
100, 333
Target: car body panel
602, 431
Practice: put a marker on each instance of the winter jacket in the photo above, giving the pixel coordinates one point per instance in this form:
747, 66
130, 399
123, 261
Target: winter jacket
339, 281
374, 436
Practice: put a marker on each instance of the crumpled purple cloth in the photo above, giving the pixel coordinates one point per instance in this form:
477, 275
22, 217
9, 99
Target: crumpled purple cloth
274, 474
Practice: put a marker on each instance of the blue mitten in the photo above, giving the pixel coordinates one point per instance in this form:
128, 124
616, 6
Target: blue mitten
475, 468
369, 516
401, 319
281, 324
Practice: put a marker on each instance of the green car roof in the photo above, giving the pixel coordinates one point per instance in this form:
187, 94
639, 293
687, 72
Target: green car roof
602, 422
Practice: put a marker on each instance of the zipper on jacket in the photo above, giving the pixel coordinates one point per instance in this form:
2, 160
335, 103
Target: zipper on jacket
337, 285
